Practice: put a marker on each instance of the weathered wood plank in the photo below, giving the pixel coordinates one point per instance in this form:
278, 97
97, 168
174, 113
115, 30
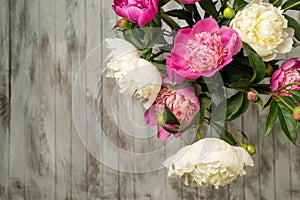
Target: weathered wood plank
44, 174
236, 188
4, 99
110, 176
266, 165
252, 182
66, 47
93, 34
24, 100
77, 34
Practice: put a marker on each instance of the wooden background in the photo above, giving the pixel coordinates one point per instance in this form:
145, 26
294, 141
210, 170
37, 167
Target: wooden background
42, 44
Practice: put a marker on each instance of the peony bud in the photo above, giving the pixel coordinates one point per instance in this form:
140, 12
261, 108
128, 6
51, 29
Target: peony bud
206, 102
252, 96
251, 149
123, 24
296, 113
160, 119
269, 69
229, 13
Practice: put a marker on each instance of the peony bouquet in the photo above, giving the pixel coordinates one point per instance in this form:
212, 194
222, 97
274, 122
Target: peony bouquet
180, 63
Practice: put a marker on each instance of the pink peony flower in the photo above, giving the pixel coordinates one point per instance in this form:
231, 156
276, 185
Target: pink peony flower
204, 49
189, 1
183, 103
287, 73
137, 11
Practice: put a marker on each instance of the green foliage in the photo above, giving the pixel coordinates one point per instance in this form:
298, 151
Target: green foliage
239, 5
169, 117
236, 106
278, 2
209, 7
295, 25
288, 124
256, 63
291, 5
272, 116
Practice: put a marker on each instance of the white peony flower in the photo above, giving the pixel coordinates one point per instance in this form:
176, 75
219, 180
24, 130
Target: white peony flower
264, 28
134, 76
209, 161
118, 62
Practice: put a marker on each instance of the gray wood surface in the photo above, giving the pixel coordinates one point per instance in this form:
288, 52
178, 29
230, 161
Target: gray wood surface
43, 45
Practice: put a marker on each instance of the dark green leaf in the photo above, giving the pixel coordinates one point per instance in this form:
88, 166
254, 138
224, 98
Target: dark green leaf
291, 4
241, 85
182, 14
227, 137
256, 63
288, 124
236, 106
295, 25
209, 7
276, 4
170, 22
296, 95
169, 117
239, 5
272, 116
289, 100
163, 2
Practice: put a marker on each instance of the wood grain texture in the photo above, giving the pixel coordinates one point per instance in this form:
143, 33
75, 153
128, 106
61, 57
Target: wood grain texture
4, 99
43, 45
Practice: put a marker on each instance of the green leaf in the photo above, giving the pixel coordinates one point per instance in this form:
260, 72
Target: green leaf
291, 4
295, 25
239, 5
182, 14
276, 4
288, 124
163, 2
272, 116
236, 106
256, 63
227, 137
295, 94
209, 7
241, 85
170, 22
289, 100
170, 117
134, 38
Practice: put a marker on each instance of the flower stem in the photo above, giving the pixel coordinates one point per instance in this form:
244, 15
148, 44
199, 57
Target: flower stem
287, 85
198, 134
238, 141
283, 101
289, 7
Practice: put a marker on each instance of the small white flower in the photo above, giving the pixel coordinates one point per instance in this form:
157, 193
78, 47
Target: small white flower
264, 28
209, 161
135, 76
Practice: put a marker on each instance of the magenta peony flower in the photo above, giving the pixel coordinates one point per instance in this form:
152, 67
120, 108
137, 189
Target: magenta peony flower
183, 103
189, 1
287, 73
137, 11
204, 49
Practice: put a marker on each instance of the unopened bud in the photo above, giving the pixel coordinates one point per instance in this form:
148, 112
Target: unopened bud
251, 149
205, 101
252, 96
296, 113
160, 119
269, 69
123, 23
229, 13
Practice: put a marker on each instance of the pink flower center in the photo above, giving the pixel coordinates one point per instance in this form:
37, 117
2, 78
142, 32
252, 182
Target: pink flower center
182, 108
205, 53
